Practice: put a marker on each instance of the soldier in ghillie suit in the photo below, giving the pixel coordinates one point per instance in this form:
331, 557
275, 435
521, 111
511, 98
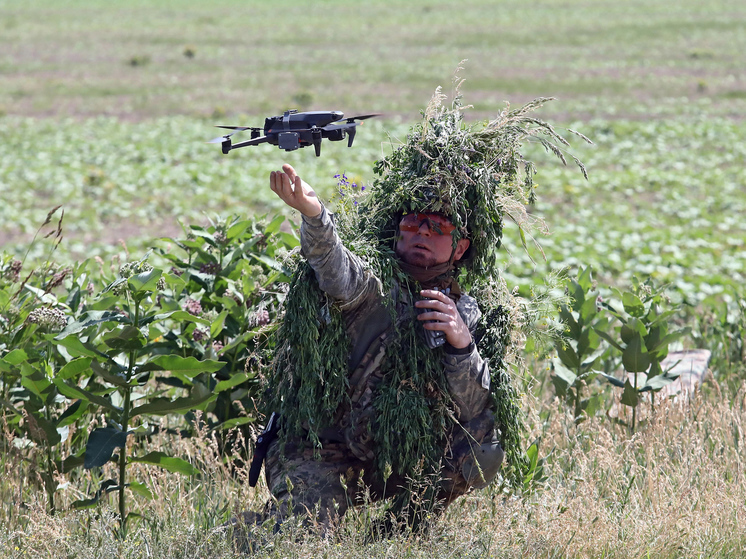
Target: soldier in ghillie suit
390, 382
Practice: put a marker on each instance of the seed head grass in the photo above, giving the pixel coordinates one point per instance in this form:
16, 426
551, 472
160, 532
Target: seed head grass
674, 489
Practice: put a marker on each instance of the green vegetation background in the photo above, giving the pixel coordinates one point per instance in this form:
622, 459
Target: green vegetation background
106, 108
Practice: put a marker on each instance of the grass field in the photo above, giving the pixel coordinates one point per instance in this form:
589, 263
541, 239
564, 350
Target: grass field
105, 107
88, 58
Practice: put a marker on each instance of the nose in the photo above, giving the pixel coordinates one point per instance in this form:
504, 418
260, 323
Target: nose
426, 224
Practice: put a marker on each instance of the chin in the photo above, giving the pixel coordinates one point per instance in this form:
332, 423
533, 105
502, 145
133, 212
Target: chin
418, 260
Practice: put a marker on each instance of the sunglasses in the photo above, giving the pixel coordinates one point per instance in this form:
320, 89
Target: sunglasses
436, 222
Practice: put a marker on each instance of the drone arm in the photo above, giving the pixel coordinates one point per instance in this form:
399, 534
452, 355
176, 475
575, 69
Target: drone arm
252, 142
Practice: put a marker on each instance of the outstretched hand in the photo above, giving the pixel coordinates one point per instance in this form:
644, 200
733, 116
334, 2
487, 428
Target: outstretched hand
294, 192
444, 316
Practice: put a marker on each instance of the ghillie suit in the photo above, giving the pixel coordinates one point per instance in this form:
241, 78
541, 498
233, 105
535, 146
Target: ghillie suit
410, 425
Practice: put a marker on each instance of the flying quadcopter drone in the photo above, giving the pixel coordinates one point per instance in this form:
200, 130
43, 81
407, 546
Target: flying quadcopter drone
295, 130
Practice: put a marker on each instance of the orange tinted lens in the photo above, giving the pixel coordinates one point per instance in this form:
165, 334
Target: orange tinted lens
437, 223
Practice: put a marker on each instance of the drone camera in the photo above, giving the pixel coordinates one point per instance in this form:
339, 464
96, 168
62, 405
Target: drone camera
288, 141
336, 134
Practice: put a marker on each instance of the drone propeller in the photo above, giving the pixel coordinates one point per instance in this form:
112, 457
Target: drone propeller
361, 117
254, 133
237, 128
221, 139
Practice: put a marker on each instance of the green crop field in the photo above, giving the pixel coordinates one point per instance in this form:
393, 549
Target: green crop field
105, 110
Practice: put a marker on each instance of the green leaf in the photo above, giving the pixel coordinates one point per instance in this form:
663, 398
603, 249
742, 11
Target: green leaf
532, 453
128, 338
115, 283
635, 357
568, 356
10, 407
107, 486
235, 380
630, 397
632, 304
588, 309
82, 504
74, 368
116, 377
236, 421
612, 380
608, 338
74, 412
199, 395
217, 325
563, 372
274, 225
634, 326
70, 390
568, 319
290, 240
585, 279
180, 315
75, 347
15, 357
101, 444
35, 381
269, 261
141, 489
48, 435
175, 465
589, 360
105, 303
663, 343
91, 318
146, 281
71, 462
657, 382
237, 229
187, 366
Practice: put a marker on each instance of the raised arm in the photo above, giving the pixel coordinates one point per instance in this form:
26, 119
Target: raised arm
340, 273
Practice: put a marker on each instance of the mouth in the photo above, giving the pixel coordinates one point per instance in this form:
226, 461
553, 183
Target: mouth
421, 247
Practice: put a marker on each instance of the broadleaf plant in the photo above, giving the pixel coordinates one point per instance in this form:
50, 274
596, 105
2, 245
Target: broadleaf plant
642, 335
580, 348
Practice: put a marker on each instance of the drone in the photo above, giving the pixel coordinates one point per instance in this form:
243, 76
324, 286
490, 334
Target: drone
295, 130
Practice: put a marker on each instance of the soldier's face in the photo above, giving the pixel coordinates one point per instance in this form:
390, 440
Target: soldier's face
425, 240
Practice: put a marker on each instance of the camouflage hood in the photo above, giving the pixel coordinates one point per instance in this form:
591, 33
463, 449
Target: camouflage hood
475, 174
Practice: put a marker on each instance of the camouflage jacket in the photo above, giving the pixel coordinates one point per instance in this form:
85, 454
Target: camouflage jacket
342, 276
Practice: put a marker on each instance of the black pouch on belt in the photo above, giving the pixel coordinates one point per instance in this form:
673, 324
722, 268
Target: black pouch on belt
262, 445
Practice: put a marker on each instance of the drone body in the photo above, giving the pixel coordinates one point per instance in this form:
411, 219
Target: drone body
295, 130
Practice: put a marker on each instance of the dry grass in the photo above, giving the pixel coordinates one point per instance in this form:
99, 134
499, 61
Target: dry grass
674, 489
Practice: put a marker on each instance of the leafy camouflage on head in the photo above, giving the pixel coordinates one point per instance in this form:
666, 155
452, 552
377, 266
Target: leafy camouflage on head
475, 174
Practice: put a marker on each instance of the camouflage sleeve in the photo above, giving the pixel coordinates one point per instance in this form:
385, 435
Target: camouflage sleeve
468, 374
340, 273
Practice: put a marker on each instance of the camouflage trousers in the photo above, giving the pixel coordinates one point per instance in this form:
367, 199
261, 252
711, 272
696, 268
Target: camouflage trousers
324, 489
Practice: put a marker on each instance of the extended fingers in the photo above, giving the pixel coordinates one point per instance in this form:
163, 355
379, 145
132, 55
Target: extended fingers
280, 184
289, 171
